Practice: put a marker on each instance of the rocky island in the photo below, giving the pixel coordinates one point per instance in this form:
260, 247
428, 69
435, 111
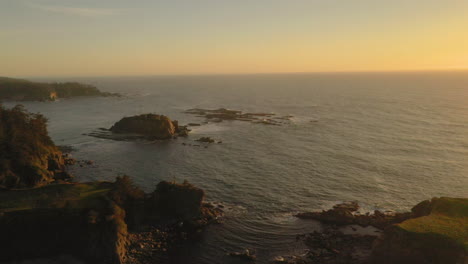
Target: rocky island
145, 126
23, 90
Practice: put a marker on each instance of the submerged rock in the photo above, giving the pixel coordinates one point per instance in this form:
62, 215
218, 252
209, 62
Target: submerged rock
218, 115
206, 140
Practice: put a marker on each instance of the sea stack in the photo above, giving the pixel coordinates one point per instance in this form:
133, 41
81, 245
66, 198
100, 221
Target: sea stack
152, 126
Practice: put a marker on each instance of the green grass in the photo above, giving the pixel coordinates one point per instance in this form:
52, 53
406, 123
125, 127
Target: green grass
76, 195
448, 220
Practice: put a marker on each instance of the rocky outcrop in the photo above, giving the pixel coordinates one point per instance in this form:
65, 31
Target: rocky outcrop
28, 157
346, 214
71, 219
172, 213
438, 234
151, 126
434, 232
100, 222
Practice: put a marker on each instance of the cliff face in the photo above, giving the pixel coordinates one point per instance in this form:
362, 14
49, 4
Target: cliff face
76, 219
151, 126
96, 234
89, 220
28, 157
437, 235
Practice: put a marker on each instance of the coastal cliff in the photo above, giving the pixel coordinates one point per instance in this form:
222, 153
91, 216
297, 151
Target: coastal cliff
23, 90
97, 222
28, 157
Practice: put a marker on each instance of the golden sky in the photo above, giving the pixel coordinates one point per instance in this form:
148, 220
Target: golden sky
118, 37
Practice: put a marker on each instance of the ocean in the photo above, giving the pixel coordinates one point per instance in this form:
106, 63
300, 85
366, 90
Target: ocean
386, 140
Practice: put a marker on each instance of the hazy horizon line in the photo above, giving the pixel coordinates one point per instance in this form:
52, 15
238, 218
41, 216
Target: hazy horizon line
454, 70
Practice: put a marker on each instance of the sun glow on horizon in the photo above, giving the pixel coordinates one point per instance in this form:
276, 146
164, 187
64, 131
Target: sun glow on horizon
213, 37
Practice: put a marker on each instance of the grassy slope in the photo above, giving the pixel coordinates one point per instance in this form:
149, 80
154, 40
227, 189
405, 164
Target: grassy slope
448, 220
75, 195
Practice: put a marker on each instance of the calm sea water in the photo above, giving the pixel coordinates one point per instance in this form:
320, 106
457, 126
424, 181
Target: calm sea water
385, 140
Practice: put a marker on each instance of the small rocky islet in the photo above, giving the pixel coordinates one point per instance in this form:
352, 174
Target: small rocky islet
145, 126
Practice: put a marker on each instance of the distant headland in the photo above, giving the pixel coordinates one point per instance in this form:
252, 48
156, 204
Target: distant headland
12, 89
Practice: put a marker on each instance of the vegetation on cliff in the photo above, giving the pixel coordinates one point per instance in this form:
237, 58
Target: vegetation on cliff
24, 90
28, 157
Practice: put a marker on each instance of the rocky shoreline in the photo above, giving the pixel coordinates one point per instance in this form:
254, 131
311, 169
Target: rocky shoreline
433, 232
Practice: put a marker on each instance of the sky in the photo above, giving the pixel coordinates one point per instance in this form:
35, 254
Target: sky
154, 37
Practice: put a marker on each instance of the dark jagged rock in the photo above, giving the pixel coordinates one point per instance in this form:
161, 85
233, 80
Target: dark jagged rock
182, 201
151, 126
172, 213
345, 214
23, 90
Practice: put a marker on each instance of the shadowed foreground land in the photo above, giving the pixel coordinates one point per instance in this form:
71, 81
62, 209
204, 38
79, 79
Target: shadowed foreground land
99, 222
